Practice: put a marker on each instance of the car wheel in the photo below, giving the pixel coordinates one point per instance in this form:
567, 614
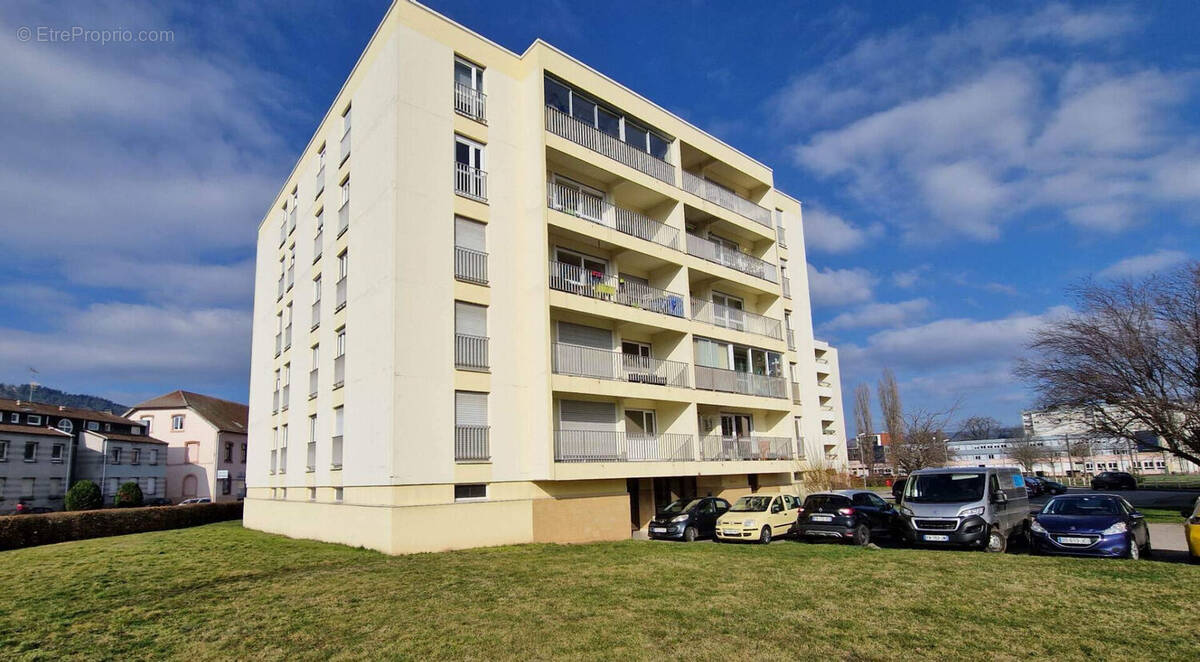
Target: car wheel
1147, 550
997, 542
1134, 552
689, 534
862, 535
765, 536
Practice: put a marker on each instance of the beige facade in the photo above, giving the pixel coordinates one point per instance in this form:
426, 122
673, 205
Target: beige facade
502, 298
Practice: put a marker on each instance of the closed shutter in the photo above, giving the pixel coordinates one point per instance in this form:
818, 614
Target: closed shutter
711, 354
587, 415
470, 319
470, 408
588, 336
469, 234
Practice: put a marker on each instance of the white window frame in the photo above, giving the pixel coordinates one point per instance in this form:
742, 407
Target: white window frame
648, 416
147, 423
177, 422
476, 72
477, 152
33, 419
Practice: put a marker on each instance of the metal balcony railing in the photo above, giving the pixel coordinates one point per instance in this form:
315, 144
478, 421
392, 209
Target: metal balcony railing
318, 244
470, 265
732, 381
470, 182
616, 446
311, 465
596, 285
787, 286
345, 145
340, 295
312, 383
319, 181
335, 459
580, 361
343, 218
470, 102
562, 124
470, 351
725, 197
471, 443
729, 448
726, 317
316, 314
592, 208
339, 371
796, 392
732, 258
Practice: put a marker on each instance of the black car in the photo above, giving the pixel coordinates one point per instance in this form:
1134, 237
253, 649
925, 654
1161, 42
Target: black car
157, 501
898, 488
850, 515
688, 519
1114, 480
1053, 487
1034, 486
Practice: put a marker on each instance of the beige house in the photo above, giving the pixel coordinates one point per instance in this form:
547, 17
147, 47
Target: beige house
520, 302
206, 443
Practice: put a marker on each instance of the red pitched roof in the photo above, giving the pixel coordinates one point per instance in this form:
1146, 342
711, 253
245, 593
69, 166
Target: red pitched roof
225, 415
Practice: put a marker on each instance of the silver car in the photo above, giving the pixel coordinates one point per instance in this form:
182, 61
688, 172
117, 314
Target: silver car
982, 507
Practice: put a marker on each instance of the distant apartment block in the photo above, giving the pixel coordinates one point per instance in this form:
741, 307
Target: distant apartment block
502, 298
206, 443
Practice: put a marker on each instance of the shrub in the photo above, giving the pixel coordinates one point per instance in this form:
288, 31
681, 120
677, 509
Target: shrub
28, 530
83, 495
129, 495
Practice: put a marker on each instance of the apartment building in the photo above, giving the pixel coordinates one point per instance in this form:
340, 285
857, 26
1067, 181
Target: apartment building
206, 443
531, 305
1067, 454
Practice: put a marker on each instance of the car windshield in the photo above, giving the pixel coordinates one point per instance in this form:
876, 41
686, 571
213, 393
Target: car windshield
825, 503
751, 504
1082, 505
945, 488
680, 506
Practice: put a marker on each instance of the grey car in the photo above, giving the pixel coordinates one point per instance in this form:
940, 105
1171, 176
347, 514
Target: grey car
965, 507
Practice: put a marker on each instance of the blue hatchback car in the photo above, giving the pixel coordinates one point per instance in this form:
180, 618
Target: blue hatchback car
1090, 525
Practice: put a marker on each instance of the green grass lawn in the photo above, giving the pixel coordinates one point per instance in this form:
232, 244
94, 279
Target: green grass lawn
220, 591
1162, 515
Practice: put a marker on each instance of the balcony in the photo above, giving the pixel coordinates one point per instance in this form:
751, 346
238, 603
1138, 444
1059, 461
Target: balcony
579, 361
725, 317
318, 244
595, 285
592, 208
312, 383
339, 371
715, 448
470, 352
343, 218
311, 465
724, 197
340, 295
796, 393
470, 102
335, 461
316, 315
470, 182
471, 443
345, 146
732, 258
615, 446
319, 182
274, 460
470, 265
787, 286
733, 381
563, 125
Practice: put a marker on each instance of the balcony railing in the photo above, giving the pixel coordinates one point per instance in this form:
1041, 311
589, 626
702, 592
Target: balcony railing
732, 381
733, 318
318, 244
345, 145
728, 448
562, 124
470, 351
319, 182
316, 315
312, 383
471, 443
615, 446
787, 286
596, 285
274, 460
311, 465
791, 338
285, 396
343, 218
796, 392
470, 182
340, 295
592, 208
339, 371
579, 361
733, 258
470, 102
470, 265
335, 460
724, 197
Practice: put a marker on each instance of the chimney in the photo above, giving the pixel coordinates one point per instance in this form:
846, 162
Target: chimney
62, 407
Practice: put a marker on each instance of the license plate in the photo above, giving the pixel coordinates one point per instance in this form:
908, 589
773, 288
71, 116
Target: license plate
657, 529
933, 538
731, 532
1066, 540
822, 518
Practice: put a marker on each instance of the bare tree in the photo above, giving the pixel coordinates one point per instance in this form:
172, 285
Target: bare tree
893, 416
924, 443
1026, 452
864, 426
978, 427
1129, 357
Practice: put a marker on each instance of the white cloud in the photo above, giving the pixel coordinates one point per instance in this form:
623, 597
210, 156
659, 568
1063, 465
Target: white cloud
874, 315
910, 277
1137, 266
830, 287
831, 233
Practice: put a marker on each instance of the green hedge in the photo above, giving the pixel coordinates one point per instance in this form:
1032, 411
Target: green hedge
18, 531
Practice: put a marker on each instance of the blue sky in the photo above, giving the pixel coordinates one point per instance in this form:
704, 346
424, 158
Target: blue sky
960, 165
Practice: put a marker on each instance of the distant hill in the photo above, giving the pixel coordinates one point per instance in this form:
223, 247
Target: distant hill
53, 396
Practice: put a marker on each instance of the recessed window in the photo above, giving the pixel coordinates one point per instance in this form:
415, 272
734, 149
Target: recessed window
337, 494
177, 422
153, 454
135, 456
34, 419
56, 452
114, 456
472, 492
243, 453
228, 451
312, 494
108, 427
3, 456
14, 418
66, 425
27, 488
31, 448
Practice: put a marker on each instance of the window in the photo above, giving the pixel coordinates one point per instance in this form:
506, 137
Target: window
312, 428
340, 346
346, 121
3, 453
468, 74
34, 419
468, 153
56, 452
640, 423
177, 422
312, 494
114, 455
56, 488
151, 485
566, 100
27, 487
191, 452
66, 425
470, 319
574, 198
228, 451
470, 234
108, 427
3, 482
337, 494
473, 492
226, 486
31, 451
343, 264
344, 188
135, 429
470, 409
243, 452
14, 418
135, 456
153, 454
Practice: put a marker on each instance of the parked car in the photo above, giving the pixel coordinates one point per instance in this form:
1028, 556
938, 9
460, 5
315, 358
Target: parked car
1090, 525
851, 515
966, 507
1114, 480
759, 517
24, 509
156, 501
688, 519
1035, 486
898, 488
195, 500
1053, 487
1191, 530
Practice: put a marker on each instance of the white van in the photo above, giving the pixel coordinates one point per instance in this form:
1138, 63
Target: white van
982, 507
